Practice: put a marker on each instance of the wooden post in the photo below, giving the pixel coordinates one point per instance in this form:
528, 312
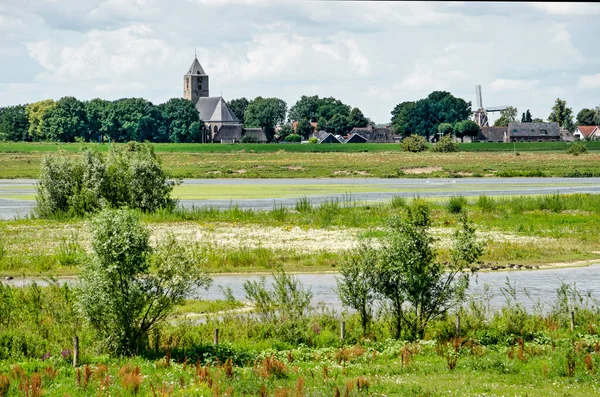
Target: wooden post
216, 336
75, 351
343, 331
572, 320
457, 329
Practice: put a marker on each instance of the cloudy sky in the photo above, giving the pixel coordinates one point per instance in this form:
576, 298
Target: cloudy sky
368, 54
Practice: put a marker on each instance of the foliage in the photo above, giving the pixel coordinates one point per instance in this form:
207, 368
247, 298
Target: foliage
130, 175
562, 115
466, 128
456, 204
285, 130
424, 116
355, 284
414, 143
587, 117
181, 122
37, 114
137, 120
313, 140
445, 145
265, 113
445, 129
526, 117
119, 295
577, 148
331, 114
293, 138
286, 300
65, 121
14, 124
409, 272
357, 119
238, 107
506, 116
304, 128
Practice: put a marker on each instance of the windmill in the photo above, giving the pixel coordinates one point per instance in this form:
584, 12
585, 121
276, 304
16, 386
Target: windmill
480, 114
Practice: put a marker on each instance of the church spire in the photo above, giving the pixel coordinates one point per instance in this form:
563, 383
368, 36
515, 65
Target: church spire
196, 68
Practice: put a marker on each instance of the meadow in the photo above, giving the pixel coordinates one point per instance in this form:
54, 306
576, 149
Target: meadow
22, 160
533, 230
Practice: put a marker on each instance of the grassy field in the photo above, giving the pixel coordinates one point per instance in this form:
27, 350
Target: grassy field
529, 230
386, 164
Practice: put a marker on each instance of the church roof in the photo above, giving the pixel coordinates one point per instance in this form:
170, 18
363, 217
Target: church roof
228, 133
215, 109
196, 68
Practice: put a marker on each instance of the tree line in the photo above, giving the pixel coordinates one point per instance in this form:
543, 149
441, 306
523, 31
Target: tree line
130, 119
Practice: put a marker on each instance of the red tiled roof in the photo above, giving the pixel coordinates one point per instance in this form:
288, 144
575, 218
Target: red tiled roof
586, 130
295, 123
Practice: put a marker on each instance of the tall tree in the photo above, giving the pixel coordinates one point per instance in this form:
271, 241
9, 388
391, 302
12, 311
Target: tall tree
238, 107
528, 118
423, 116
357, 119
305, 108
66, 121
265, 113
14, 125
181, 121
137, 120
506, 116
101, 119
37, 114
304, 128
562, 115
586, 117
467, 128
338, 125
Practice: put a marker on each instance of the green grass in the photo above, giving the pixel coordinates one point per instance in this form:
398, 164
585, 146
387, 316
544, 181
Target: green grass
194, 306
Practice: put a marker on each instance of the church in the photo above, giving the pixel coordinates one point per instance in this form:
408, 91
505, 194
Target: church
220, 121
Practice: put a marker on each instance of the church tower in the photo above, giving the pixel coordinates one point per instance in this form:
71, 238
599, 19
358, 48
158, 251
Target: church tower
195, 82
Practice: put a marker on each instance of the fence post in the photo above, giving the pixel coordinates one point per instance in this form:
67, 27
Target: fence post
75, 351
343, 331
457, 326
216, 336
572, 320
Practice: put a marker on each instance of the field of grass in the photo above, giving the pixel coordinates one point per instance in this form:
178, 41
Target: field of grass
534, 230
386, 164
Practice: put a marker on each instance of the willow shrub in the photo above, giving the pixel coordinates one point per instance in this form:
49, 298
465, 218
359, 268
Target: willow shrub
130, 175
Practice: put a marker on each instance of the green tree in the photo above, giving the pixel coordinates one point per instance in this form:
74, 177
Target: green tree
66, 121
355, 284
293, 138
304, 128
528, 118
285, 130
445, 129
409, 272
445, 145
562, 115
182, 121
305, 108
100, 115
467, 128
266, 113
586, 117
37, 114
506, 116
338, 125
238, 107
424, 116
357, 119
14, 125
138, 120
119, 295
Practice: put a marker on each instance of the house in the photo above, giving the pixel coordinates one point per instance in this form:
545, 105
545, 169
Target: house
377, 134
355, 138
566, 135
533, 132
586, 132
233, 133
493, 134
327, 137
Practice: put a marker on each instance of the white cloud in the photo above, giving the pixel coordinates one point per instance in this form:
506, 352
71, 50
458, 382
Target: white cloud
589, 81
568, 8
500, 85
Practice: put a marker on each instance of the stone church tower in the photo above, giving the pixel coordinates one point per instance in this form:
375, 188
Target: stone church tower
195, 82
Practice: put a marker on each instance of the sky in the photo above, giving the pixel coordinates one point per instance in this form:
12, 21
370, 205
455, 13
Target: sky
371, 55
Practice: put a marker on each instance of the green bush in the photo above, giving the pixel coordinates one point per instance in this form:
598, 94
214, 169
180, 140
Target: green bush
456, 204
130, 175
414, 143
293, 138
486, 204
313, 140
445, 145
577, 148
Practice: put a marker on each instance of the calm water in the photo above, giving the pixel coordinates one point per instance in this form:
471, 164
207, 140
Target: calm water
541, 285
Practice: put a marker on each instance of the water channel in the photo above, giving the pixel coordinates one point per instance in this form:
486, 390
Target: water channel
540, 285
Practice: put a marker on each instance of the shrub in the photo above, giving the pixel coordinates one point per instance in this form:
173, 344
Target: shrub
293, 138
445, 145
577, 148
486, 204
129, 176
313, 140
249, 139
456, 204
414, 143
